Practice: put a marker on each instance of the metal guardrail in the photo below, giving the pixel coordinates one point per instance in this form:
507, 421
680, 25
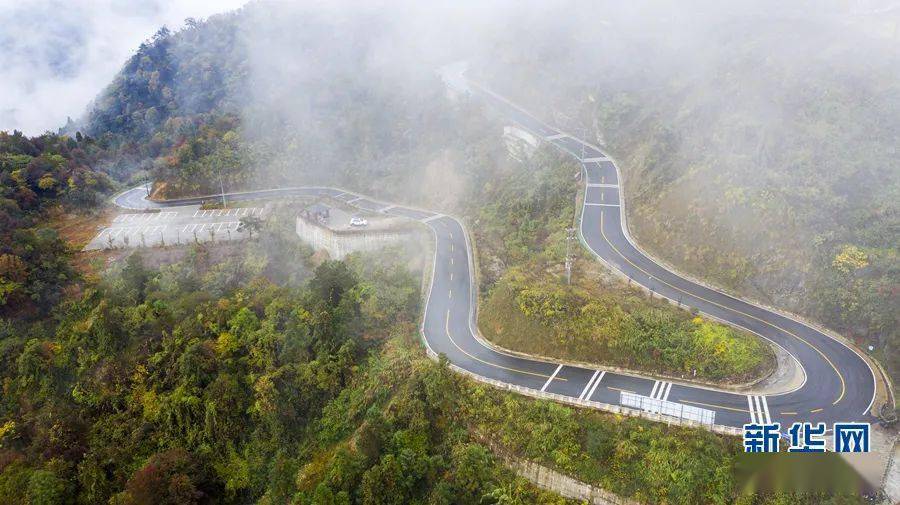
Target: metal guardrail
666, 408
616, 409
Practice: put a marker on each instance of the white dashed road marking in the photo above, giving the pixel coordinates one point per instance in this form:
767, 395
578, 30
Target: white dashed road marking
551, 378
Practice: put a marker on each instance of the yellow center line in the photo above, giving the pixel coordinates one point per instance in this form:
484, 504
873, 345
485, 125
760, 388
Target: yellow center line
476, 358
841, 377
813, 411
716, 406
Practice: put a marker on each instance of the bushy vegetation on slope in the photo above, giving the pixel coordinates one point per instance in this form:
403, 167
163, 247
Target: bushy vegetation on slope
189, 384
617, 327
206, 382
520, 235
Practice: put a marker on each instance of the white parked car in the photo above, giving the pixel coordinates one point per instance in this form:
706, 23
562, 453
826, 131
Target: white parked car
358, 221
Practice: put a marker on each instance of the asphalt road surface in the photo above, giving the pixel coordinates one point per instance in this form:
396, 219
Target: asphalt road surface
840, 386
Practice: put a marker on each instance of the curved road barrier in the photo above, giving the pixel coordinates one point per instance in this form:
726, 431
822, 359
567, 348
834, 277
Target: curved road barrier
840, 386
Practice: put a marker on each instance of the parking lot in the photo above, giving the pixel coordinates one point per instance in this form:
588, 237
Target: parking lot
173, 226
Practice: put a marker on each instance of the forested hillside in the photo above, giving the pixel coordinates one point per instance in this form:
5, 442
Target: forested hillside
231, 99
758, 159
39, 175
261, 373
205, 382
759, 153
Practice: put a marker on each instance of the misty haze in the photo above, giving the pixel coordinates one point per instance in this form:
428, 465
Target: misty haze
451, 252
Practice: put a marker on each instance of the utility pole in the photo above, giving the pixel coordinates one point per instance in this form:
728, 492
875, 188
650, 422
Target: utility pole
222, 188
583, 140
570, 236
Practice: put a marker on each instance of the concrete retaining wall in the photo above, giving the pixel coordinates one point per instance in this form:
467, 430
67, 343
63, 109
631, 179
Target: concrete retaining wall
340, 244
551, 480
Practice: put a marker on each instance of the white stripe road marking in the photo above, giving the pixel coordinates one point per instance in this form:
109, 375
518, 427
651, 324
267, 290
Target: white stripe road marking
661, 390
594, 387
765, 406
355, 199
655, 387
588, 160
551, 378
759, 409
588, 385
432, 218
601, 205
598, 185
557, 136
385, 209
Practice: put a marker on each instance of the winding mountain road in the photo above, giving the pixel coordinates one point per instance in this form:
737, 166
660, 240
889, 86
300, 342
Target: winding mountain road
840, 385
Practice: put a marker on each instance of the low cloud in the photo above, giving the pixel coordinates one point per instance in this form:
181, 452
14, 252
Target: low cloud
57, 55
